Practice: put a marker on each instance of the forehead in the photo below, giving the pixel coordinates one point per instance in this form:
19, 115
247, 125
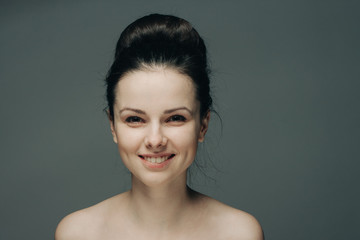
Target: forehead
155, 89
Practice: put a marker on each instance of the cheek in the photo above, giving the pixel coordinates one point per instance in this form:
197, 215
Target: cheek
128, 139
184, 138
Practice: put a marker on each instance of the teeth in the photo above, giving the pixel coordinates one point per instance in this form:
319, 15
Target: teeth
155, 159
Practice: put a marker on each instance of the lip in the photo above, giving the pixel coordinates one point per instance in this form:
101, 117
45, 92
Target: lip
151, 161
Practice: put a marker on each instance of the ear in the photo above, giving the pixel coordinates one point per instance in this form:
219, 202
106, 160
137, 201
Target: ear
112, 126
204, 126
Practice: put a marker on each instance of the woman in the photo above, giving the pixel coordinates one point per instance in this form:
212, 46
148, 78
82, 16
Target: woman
159, 109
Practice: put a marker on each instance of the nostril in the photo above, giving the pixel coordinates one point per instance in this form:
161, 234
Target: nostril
155, 142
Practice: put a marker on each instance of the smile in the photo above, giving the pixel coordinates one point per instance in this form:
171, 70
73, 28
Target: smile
157, 159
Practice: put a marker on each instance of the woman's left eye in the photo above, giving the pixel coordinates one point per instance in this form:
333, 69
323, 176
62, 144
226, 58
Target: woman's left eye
177, 118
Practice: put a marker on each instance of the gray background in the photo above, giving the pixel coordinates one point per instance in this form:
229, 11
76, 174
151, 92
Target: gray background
286, 83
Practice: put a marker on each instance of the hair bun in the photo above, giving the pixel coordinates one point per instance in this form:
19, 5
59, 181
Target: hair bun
156, 29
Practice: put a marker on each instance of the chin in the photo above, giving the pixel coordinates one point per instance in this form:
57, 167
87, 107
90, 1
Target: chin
158, 179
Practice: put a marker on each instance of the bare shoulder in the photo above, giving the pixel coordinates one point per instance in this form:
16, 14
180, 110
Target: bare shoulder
74, 226
233, 223
87, 223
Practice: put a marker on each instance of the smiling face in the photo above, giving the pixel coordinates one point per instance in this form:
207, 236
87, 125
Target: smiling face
157, 124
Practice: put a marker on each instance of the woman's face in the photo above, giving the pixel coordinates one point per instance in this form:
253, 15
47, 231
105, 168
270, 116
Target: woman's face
157, 124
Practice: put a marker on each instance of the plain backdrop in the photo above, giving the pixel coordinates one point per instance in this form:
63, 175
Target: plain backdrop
286, 85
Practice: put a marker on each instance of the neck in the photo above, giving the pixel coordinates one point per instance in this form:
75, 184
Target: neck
160, 207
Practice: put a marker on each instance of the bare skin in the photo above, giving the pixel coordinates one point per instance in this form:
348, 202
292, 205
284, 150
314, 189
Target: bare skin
157, 117
157, 214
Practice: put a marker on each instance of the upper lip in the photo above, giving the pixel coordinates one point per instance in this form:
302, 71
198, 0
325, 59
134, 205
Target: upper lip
157, 155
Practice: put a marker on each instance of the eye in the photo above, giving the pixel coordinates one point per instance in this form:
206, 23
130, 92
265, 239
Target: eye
134, 119
176, 118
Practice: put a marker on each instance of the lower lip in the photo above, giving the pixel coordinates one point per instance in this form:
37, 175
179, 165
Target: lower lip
156, 165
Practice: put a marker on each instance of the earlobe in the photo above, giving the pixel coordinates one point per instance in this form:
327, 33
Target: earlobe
204, 127
112, 127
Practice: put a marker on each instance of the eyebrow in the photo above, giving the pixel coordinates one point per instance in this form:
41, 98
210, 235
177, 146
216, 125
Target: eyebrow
176, 109
166, 111
132, 109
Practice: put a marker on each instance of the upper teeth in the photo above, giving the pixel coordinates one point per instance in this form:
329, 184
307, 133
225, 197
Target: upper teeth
155, 159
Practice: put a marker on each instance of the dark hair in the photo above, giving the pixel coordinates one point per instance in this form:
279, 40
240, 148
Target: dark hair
166, 41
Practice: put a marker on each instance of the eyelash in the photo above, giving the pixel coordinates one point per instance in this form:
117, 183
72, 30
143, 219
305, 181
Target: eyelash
134, 119
176, 118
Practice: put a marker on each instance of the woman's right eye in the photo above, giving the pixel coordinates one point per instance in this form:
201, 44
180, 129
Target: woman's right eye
134, 119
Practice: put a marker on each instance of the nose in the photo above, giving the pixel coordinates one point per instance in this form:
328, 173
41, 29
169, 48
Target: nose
155, 138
